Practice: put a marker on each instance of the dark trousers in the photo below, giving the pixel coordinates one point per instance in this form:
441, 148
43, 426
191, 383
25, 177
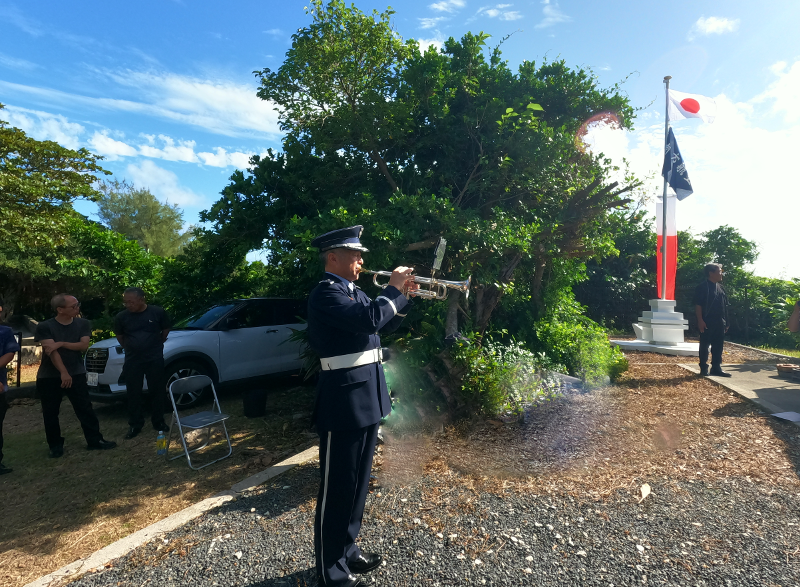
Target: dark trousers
714, 336
3, 410
51, 393
135, 371
345, 459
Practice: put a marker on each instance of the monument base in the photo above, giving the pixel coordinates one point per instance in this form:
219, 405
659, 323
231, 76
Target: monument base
661, 331
681, 349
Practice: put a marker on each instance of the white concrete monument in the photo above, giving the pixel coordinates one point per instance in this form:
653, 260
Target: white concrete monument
660, 331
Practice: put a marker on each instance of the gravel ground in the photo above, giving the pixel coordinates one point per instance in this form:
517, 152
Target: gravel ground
690, 533
561, 506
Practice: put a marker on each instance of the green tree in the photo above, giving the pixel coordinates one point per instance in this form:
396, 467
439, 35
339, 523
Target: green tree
417, 145
101, 263
39, 181
137, 214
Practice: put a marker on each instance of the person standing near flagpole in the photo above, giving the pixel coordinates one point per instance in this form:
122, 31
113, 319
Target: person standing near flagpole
711, 309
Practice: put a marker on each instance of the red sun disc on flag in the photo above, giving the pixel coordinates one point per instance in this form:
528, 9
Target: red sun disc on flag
690, 105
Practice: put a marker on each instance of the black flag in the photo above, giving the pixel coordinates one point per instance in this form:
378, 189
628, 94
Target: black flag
675, 169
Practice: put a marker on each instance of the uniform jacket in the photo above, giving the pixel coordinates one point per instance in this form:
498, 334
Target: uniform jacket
343, 320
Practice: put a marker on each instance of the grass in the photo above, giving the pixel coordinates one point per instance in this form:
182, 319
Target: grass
790, 352
55, 511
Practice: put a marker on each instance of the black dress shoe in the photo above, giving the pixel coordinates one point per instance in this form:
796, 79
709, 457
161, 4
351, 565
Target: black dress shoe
365, 563
4, 469
704, 371
56, 452
133, 432
102, 444
719, 373
353, 581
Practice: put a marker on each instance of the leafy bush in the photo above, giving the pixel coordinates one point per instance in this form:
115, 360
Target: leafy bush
502, 377
583, 347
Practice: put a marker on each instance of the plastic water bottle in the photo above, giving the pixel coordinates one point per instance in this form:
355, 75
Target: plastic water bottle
161, 444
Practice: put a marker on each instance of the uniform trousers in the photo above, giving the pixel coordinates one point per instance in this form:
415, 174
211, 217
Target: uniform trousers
51, 393
714, 336
135, 370
345, 458
3, 410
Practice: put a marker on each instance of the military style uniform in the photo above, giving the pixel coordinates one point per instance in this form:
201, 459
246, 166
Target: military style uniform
352, 397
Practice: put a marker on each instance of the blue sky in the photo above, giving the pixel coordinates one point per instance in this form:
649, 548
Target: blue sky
165, 90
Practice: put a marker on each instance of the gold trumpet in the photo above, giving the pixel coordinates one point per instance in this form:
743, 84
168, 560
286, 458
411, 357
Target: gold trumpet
438, 287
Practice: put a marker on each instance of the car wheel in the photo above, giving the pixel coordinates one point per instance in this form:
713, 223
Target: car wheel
186, 368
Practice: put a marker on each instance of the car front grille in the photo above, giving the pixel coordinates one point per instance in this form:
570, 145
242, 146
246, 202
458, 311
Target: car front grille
96, 360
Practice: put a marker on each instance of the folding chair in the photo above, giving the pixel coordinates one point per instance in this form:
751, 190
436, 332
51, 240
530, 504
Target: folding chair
201, 420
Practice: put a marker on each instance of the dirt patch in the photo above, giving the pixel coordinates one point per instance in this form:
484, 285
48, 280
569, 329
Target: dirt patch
55, 511
659, 424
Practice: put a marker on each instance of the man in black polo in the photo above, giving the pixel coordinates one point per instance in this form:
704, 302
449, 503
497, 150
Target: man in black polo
711, 309
142, 329
64, 339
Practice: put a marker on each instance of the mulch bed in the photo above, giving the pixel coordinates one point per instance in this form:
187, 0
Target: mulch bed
554, 499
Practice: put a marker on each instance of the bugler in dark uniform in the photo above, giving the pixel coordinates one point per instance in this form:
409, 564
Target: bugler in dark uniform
352, 397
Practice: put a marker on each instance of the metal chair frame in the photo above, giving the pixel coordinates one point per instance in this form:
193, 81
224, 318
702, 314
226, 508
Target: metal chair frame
200, 420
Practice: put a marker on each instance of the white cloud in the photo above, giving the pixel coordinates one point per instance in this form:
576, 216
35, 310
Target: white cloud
217, 106
183, 151
429, 23
16, 63
425, 43
112, 149
448, 5
785, 92
163, 184
552, 15
743, 175
12, 15
275, 32
113, 145
498, 11
222, 158
44, 126
713, 25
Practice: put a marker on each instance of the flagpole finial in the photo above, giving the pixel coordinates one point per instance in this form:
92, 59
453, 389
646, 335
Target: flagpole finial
667, 78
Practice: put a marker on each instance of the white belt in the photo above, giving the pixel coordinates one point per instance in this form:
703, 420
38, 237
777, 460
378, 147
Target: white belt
352, 360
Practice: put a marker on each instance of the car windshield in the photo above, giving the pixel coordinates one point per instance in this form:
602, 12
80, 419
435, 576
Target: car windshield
205, 318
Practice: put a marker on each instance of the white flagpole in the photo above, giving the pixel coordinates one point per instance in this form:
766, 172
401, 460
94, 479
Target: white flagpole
664, 201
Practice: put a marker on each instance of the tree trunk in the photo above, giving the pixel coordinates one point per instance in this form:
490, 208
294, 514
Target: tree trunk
8, 301
536, 292
492, 296
376, 157
451, 324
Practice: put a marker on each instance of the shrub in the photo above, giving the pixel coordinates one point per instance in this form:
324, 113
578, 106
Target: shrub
499, 378
583, 347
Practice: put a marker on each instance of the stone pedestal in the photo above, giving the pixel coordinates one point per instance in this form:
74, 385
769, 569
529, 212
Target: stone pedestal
660, 331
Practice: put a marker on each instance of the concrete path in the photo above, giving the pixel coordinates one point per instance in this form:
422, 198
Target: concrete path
761, 384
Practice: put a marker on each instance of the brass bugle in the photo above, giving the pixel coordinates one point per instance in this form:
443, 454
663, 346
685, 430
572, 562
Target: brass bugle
439, 287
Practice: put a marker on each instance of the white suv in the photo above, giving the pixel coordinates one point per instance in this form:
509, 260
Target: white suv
235, 341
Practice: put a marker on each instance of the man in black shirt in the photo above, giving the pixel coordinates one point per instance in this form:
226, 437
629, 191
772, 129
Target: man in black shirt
64, 339
711, 309
142, 329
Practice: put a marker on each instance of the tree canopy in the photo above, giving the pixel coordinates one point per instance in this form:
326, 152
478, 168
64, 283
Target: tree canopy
415, 145
39, 181
137, 213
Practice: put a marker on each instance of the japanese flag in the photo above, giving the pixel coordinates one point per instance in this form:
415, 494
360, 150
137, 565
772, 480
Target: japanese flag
690, 106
